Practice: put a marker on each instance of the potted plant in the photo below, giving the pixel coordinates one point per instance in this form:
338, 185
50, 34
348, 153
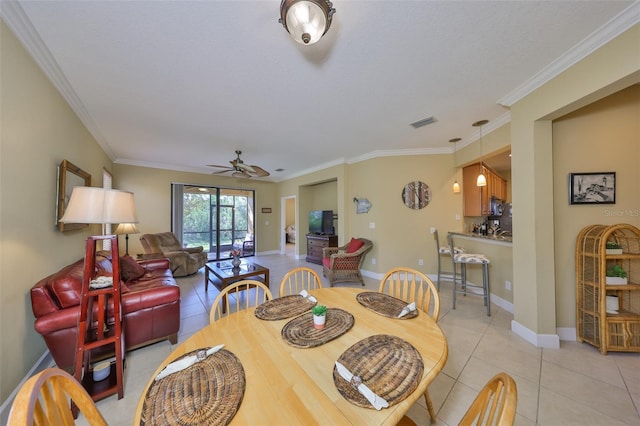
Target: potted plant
616, 275
613, 248
319, 316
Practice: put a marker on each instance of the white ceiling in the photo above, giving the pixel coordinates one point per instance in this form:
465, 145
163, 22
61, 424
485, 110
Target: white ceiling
183, 84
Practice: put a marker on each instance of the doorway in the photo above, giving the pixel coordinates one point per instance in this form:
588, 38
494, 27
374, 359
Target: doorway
290, 234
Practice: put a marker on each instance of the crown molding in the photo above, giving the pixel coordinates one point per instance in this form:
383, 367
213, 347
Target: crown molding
607, 32
14, 16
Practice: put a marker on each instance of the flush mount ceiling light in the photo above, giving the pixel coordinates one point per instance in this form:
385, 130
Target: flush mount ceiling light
306, 20
482, 180
456, 185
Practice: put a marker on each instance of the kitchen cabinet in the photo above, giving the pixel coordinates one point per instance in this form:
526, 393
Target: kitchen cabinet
477, 199
608, 315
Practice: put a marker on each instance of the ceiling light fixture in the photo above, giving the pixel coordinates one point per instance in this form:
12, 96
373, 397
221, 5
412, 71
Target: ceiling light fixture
456, 185
482, 180
306, 20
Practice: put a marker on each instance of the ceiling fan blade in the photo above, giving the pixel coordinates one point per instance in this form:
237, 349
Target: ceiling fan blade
221, 167
219, 172
241, 166
259, 171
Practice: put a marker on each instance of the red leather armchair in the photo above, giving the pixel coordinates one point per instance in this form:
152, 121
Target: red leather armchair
150, 307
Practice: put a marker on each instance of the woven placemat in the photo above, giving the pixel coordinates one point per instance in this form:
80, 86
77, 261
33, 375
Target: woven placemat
207, 393
301, 333
384, 304
284, 307
390, 366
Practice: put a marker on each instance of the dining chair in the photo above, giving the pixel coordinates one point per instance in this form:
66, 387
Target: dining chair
444, 251
495, 404
45, 399
254, 292
411, 285
299, 279
464, 259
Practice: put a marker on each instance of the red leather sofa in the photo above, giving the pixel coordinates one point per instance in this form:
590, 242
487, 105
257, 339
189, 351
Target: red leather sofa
150, 305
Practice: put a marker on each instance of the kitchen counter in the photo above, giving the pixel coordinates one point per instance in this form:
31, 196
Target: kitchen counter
488, 238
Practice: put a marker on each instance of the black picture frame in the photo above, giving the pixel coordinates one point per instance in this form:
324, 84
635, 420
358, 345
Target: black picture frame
592, 188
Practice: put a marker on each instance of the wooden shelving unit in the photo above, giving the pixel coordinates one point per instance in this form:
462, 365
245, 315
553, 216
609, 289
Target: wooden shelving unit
100, 326
608, 331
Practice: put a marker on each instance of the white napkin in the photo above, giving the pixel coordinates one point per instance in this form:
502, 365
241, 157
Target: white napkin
409, 308
183, 363
101, 282
304, 293
377, 402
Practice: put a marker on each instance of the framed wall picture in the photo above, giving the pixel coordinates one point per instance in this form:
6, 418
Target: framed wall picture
266, 210
592, 188
69, 175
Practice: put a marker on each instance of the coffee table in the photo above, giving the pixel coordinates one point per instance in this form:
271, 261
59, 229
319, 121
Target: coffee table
226, 274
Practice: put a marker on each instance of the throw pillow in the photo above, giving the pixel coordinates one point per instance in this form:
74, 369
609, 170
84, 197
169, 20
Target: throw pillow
354, 245
130, 270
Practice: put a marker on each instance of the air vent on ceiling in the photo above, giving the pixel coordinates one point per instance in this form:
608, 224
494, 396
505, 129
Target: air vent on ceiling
423, 122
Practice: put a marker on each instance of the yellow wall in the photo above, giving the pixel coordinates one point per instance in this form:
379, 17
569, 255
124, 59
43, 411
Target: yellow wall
38, 131
602, 137
614, 66
152, 189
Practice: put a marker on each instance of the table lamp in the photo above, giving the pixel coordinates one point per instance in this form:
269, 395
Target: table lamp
126, 229
98, 205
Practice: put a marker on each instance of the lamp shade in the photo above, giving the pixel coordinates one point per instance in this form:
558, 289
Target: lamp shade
126, 228
98, 205
481, 181
456, 187
306, 20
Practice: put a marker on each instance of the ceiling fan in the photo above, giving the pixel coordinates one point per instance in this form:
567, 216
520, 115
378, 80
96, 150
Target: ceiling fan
241, 170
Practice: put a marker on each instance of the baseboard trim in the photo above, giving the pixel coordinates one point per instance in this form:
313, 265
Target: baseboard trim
567, 334
550, 341
43, 362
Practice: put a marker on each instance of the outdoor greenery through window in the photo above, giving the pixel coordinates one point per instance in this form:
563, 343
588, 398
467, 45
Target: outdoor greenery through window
219, 219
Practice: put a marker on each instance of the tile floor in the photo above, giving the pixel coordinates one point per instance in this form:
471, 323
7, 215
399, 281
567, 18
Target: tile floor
573, 385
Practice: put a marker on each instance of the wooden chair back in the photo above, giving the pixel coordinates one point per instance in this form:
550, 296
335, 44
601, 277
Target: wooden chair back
411, 285
495, 404
45, 399
299, 279
246, 293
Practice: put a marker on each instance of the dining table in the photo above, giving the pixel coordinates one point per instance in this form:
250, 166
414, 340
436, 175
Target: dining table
286, 384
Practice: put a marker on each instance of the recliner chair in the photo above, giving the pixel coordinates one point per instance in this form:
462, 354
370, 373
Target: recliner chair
184, 260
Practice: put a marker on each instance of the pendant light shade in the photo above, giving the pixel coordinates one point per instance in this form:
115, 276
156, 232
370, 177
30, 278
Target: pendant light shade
481, 180
306, 20
456, 185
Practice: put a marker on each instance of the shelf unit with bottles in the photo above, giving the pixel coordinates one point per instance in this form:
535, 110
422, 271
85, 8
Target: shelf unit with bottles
608, 329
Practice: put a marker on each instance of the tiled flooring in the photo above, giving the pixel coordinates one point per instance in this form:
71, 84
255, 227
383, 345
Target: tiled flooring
573, 385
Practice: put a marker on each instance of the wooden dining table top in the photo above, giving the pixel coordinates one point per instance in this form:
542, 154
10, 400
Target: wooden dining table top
289, 385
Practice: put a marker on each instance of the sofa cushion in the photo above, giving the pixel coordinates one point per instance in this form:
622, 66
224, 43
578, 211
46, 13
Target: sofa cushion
66, 285
354, 245
130, 270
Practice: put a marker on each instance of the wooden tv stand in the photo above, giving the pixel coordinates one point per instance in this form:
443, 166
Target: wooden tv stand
315, 244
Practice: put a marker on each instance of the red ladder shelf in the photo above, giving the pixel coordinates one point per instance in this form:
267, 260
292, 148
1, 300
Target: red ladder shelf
97, 329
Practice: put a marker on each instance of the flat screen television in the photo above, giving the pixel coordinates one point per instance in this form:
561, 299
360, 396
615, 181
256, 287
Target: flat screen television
321, 222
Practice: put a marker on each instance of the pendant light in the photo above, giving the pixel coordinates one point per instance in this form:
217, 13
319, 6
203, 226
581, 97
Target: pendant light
456, 185
482, 180
306, 20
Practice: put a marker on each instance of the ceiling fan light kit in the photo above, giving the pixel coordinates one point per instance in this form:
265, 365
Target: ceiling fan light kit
306, 20
241, 170
482, 180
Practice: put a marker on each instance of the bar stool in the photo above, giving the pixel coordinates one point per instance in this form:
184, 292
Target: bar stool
444, 251
464, 259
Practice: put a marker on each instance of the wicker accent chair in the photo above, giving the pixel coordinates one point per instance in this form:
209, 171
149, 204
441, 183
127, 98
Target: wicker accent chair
45, 399
495, 404
184, 260
342, 264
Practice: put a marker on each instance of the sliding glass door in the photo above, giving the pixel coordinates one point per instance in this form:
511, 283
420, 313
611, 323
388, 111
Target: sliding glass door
219, 219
